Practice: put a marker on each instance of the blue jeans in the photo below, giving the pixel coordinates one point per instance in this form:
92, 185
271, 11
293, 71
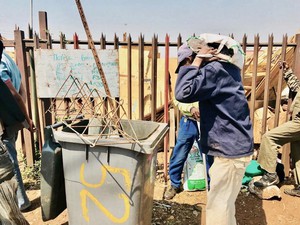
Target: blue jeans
10, 143
187, 134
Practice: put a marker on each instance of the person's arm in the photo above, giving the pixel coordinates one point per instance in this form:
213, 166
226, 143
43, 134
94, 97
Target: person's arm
21, 103
185, 108
194, 84
291, 79
204, 54
197, 61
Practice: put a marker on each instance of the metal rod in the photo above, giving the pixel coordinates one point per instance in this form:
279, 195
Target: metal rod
96, 57
97, 60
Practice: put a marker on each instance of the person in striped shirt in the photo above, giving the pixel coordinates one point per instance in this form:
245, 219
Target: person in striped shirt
288, 132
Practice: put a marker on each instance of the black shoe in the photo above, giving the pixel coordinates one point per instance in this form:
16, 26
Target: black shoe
267, 179
25, 206
171, 192
293, 192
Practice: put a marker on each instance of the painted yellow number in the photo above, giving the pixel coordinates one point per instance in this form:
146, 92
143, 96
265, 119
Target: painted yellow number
84, 194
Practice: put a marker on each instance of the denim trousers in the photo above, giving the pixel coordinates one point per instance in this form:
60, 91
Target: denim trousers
10, 143
187, 134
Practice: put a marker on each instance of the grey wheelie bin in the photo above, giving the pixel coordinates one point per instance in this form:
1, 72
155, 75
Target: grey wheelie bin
113, 181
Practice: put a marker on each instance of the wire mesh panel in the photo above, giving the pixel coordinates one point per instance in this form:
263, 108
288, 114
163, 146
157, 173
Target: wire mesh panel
89, 116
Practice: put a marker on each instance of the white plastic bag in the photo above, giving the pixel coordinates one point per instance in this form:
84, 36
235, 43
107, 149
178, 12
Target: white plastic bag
194, 171
238, 57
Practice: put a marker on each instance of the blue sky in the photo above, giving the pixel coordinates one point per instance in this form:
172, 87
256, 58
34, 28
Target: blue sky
160, 17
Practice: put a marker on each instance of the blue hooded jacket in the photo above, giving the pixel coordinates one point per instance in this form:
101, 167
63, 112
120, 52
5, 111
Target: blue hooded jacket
226, 128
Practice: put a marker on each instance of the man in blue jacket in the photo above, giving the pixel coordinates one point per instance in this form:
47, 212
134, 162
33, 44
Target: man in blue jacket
214, 80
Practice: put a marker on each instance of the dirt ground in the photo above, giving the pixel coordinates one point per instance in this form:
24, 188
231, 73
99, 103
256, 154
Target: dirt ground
189, 208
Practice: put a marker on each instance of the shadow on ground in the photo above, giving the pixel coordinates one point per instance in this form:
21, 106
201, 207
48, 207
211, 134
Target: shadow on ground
165, 212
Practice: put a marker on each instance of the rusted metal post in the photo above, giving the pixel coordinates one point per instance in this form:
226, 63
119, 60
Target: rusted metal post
62, 38
43, 26
76, 41
297, 57
103, 46
116, 47
40, 106
166, 106
44, 103
177, 111
267, 84
129, 78
141, 77
103, 42
154, 78
280, 82
28, 143
34, 98
254, 77
244, 46
116, 42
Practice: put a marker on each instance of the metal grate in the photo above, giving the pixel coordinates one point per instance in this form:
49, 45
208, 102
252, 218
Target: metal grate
88, 115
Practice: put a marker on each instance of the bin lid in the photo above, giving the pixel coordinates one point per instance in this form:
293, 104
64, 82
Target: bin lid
148, 133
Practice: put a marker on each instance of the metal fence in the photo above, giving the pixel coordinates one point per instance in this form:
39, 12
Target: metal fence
148, 77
